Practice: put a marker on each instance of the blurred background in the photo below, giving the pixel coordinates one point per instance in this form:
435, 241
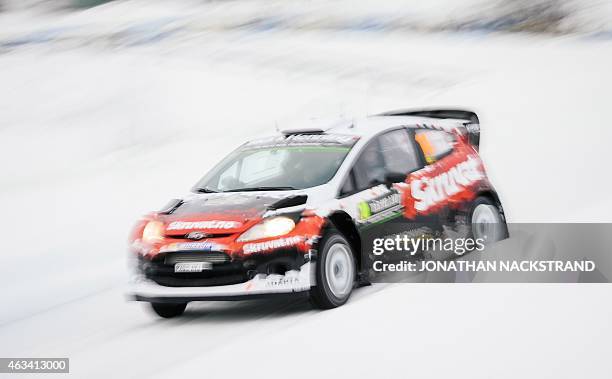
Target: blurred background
110, 108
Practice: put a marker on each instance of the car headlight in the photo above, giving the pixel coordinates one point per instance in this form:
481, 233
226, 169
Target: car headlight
153, 232
272, 227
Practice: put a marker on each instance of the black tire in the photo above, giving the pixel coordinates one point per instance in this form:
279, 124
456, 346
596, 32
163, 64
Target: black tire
169, 310
324, 295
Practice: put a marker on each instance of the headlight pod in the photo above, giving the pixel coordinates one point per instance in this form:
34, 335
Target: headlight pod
153, 232
272, 227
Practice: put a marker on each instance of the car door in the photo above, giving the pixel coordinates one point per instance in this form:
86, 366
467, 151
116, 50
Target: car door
373, 189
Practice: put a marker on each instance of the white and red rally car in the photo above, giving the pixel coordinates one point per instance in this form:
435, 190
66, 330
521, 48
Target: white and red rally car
296, 212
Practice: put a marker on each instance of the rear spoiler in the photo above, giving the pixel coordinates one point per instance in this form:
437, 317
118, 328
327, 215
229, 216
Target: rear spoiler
469, 118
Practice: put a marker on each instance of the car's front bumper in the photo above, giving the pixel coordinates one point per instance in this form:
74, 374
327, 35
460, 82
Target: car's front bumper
293, 281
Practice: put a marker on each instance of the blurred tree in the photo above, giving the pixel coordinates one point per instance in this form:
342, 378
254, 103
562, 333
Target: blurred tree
88, 3
532, 15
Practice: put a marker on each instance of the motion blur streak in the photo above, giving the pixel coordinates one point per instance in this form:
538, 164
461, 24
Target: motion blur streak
106, 110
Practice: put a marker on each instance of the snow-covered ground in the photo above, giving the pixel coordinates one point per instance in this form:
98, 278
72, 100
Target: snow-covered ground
91, 137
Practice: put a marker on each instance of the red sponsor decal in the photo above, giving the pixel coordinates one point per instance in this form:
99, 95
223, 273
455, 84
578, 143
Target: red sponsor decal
447, 182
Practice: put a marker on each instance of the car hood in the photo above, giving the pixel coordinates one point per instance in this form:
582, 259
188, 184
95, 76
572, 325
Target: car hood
221, 212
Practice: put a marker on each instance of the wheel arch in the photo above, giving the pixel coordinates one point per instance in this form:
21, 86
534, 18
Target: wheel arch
492, 195
343, 222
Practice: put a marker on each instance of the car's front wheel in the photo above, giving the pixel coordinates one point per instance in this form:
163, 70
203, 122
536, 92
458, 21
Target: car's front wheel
335, 272
168, 310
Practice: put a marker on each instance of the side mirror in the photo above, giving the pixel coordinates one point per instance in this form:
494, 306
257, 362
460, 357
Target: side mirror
395, 177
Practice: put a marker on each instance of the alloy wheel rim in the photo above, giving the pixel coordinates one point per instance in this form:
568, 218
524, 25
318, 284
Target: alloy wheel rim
485, 222
339, 271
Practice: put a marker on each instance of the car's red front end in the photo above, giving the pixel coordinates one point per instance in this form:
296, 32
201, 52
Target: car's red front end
187, 253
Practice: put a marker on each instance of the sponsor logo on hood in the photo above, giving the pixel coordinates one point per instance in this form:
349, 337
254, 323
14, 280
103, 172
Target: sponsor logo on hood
188, 225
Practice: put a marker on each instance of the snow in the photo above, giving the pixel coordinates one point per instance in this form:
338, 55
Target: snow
91, 137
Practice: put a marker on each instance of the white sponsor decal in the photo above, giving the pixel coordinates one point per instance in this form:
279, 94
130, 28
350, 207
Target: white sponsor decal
251, 248
186, 225
281, 281
430, 191
388, 201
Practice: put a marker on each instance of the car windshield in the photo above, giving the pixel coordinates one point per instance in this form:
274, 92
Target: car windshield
274, 168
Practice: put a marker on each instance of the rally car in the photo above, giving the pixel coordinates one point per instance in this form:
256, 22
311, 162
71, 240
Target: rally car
293, 212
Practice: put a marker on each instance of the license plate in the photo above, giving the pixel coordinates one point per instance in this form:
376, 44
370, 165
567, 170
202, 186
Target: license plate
192, 266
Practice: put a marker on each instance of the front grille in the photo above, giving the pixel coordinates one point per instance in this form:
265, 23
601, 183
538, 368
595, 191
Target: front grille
224, 270
214, 257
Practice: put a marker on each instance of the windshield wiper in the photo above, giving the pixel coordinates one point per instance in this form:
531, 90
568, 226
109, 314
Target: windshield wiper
205, 190
261, 189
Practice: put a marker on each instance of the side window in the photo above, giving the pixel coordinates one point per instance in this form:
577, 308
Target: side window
369, 168
398, 152
349, 185
392, 152
435, 144
229, 177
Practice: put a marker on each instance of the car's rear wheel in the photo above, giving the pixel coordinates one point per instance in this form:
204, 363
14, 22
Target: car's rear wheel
169, 310
483, 221
335, 272
486, 221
